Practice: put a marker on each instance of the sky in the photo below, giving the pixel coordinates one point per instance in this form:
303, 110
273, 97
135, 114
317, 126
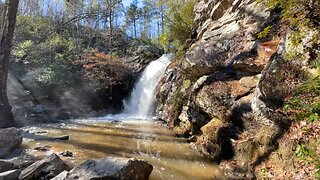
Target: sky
128, 2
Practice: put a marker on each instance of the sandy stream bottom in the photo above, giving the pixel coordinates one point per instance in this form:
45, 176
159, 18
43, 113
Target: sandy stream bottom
171, 157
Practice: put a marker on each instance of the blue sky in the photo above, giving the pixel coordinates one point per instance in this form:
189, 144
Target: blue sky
127, 2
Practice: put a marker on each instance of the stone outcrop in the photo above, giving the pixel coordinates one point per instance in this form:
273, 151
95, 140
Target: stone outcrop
46, 168
228, 87
110, 168
10, 175
142, 55
6, 166
61, 176
10, 139
52, 167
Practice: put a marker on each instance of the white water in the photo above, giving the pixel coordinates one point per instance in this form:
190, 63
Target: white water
141, 103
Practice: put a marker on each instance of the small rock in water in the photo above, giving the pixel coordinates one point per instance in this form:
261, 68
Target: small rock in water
41, 132
62, 138
116, 121
42, 148
66, 154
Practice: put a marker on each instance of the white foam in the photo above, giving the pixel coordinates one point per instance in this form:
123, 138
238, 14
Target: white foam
141, 103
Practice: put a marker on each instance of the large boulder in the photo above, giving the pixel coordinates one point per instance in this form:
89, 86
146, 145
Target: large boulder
10, 139
217, 98
142, 55
111, 168
6, 166
10, 175
61, 176
225, 43
46, 168
225, 33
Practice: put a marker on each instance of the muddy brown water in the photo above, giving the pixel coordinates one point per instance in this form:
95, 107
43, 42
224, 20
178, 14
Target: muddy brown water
171, 157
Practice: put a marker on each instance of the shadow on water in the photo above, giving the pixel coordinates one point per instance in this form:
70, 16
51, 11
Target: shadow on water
119, 132
131, 128
117, 141
171, 156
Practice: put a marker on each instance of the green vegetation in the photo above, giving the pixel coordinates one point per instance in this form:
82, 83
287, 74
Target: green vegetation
179, 22
94, 47
299, 12
40, 48
264, 33
303, 106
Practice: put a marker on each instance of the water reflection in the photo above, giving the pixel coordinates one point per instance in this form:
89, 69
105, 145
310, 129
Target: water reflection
171, 156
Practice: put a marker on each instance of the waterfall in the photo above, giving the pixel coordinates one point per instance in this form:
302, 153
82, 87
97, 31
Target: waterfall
141, 102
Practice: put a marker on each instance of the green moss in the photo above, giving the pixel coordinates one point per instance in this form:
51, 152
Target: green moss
265, 32
177, 98
296, 38
185, 85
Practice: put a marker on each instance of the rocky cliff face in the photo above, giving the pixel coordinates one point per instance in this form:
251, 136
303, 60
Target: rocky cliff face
225, 92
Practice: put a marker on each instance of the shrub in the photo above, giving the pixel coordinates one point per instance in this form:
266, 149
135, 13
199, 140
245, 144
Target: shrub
106, 69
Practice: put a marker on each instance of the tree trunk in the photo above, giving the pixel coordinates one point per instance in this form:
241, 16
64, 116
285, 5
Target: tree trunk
162, 19
6, 116
134, 28
110, 22
159, 35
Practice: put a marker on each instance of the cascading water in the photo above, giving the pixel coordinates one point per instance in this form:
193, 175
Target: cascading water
141, 103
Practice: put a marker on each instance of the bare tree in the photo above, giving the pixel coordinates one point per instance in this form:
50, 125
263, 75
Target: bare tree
8, 23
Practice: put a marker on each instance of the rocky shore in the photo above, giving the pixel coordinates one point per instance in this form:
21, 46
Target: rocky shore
53, 167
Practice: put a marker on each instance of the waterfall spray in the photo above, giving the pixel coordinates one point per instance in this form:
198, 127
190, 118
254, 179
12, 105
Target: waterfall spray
141, 103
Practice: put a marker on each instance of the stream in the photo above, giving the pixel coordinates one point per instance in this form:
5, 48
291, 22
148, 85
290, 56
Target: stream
171, 157
131, 134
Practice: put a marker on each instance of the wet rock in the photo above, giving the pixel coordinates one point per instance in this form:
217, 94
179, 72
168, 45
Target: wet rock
111, 168
22, 162
61, 176
42, 148
46, 168
59, 138
6, 166
10, 139
116, 121
41, 132
10, 175
66, 154
39, 109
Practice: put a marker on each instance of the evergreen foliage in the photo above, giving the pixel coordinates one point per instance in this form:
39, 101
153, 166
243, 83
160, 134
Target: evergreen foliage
179, 22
